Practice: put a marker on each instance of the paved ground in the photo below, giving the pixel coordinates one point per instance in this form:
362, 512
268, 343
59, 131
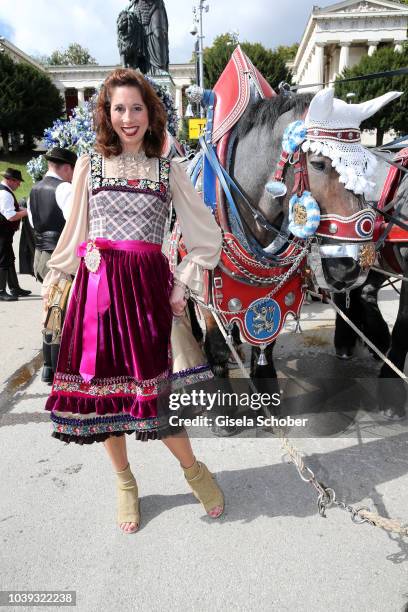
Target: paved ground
270, 551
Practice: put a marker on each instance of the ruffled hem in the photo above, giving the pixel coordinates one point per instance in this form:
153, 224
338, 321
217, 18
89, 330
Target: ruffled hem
81, 407
68, 438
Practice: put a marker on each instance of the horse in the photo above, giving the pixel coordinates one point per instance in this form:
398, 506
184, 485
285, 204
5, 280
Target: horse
263, 173
363, 308
254, 154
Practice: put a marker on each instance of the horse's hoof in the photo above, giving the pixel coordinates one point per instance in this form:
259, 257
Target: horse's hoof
224, 431
393, 414
344, 352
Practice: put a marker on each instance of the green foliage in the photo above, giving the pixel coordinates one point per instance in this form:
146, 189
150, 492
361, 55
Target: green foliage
288, 53
74, 55
393, 115
29, 101
270, 63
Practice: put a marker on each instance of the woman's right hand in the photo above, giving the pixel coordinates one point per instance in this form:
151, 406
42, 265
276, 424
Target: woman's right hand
178, 301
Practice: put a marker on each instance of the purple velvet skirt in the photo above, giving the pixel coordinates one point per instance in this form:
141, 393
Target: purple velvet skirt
133, 359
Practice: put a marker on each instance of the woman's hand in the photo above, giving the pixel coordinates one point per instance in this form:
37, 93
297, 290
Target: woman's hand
178, 301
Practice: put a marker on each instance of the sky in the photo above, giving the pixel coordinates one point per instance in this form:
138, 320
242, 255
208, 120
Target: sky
38, 27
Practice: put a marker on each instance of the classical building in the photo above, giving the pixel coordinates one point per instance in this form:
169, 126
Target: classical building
78, 83
339, 35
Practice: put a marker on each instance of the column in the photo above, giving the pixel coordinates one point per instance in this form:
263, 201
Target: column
318, 76
344, 56
398, 47
81, 96
179, 102
372, 47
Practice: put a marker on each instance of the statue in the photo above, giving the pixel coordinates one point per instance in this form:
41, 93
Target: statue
143, 36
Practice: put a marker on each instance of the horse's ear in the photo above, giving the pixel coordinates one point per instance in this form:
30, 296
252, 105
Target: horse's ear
366, 109
321, 106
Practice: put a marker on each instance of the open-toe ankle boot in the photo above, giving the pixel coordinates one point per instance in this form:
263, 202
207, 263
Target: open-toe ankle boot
205, 488
128, 500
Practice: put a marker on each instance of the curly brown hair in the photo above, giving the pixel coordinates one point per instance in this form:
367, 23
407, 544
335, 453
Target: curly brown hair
107, 141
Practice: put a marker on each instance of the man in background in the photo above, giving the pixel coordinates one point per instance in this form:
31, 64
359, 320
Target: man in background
10, 215
48, 199
46, 203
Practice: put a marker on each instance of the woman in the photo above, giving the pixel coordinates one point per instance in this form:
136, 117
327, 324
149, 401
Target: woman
114, 354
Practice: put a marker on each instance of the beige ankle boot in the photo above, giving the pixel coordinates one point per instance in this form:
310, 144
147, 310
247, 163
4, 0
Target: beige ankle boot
205, 488
128, 500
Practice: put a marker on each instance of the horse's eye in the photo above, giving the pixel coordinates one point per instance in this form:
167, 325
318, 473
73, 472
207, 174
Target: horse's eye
318, 165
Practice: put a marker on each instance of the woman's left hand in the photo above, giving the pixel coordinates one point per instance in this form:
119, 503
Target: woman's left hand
178, 301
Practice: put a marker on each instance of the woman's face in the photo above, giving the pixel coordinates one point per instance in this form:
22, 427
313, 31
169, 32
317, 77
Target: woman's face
129, 117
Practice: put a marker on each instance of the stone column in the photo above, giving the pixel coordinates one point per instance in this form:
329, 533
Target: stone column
318, 76
81, 96
344, 56
398, 47
179, 102
372, 47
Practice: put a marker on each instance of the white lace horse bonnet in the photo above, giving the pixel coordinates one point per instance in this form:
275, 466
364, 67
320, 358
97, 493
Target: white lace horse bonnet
333, 130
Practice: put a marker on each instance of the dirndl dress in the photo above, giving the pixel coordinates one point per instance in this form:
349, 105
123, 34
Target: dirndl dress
115, 361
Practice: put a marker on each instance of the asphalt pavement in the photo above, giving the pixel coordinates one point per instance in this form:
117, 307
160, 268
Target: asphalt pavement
270, 551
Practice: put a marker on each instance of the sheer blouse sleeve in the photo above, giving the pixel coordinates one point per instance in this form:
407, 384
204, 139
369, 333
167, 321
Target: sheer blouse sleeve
201, 234
64, 260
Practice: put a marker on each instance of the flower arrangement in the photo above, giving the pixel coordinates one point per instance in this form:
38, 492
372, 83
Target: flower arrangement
37, 167
77, 132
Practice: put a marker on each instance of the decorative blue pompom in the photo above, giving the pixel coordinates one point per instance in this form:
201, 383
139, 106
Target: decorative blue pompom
293, 136
307, 229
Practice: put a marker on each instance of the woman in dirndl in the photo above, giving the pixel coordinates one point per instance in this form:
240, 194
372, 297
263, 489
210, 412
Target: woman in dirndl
114, 355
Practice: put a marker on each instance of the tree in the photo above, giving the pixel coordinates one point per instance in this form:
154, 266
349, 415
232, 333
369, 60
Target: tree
29, 101
288, 53
74, 55
394, 115
269, 63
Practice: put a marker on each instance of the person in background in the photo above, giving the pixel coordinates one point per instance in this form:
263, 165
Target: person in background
46, 206
10, 216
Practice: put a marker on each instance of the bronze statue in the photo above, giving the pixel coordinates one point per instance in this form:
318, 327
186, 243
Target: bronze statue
143, 36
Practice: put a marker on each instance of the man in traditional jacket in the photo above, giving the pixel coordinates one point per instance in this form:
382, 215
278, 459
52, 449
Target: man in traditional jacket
44, 209
48, 199
10, 215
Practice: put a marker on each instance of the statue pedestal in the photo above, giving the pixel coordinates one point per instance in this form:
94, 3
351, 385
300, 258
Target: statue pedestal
164, 79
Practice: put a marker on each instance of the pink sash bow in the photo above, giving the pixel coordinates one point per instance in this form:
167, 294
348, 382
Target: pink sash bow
98, 298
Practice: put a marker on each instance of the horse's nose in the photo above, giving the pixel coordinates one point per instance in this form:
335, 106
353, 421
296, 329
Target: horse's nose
342, 273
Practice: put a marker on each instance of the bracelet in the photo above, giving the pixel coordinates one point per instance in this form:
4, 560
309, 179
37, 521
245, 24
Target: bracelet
178, 283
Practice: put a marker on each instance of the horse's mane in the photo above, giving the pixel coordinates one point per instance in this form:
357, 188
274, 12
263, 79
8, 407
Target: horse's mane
265, 112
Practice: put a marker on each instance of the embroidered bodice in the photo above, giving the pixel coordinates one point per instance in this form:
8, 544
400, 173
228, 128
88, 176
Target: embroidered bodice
129, 197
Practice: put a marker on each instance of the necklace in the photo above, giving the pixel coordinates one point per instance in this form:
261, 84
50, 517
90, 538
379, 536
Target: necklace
133, 165
133, 156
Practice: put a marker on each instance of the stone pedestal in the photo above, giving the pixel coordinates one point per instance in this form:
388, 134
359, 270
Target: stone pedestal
165, 80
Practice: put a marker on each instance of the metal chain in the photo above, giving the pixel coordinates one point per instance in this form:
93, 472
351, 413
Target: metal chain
326, 495
283, 280
229, 246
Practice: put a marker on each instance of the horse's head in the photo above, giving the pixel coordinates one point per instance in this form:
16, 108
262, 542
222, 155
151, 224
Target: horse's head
339, 170
314, 146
